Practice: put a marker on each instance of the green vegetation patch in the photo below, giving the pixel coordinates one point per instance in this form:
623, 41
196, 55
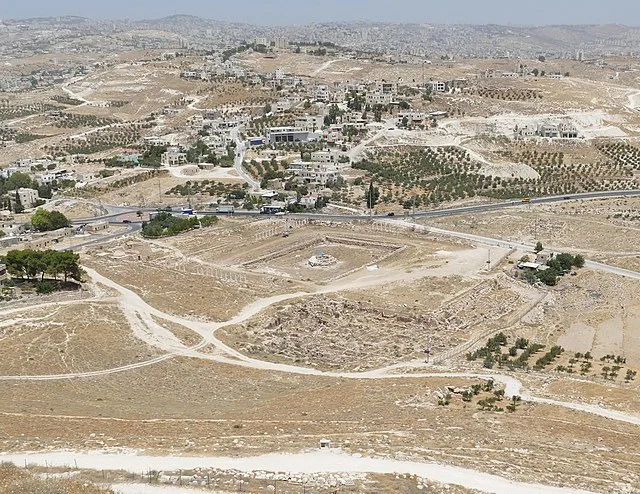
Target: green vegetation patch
165, 225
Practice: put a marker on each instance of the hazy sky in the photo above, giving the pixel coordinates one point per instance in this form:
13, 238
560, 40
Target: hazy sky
278, 12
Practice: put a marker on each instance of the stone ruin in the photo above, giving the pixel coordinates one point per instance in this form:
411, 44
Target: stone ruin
322, 260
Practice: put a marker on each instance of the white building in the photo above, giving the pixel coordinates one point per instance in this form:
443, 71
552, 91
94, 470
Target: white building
413, 117
567, 130
282, 106
326, 156
387, 87
378, 98
46, 178
525, 131
437, 86
173, 156
548, 130
322, 94
314, 173
275, 135
28, 197
310, 123
155, 141
280, 43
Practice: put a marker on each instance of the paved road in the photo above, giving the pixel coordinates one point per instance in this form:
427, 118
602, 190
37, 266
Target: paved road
132, 228
241, 149
355, 152
517, 245
434, 213
437, 213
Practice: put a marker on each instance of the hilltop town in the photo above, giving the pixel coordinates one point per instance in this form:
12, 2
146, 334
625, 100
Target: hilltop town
318, 259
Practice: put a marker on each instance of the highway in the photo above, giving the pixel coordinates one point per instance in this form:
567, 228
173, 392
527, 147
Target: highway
132, 228
433, 213
135, 227
478, 239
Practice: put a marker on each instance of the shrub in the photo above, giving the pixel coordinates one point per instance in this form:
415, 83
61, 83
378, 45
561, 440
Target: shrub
44, 287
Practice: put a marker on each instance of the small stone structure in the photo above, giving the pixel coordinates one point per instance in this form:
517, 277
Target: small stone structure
321, 259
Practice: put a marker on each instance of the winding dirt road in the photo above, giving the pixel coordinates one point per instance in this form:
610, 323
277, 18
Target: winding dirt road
332, 461
143, 320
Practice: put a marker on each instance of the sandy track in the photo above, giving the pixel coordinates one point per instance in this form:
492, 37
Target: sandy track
141, 316
333, 461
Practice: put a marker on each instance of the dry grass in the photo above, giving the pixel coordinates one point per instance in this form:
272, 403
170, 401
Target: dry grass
14, 480
73, 338
205, 408
589, 227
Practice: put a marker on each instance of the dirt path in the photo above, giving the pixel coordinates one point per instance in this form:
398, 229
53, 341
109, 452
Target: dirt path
324, 66
332, 461
141, 316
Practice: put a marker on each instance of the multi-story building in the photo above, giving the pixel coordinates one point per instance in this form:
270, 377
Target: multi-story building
28, 197
548, 130
525, 131
311, 173
322, 94
282, 106
326, 156
387, 87
567, 131
173, 156
413, 117
310, 123
275, 135
378, 98
280, 43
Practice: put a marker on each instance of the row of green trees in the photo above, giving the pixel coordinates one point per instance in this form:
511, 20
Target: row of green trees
165, 224
34, 264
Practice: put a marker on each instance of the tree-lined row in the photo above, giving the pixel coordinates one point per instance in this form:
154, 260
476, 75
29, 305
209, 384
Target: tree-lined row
428, 176
18, 111
36, 264
73, 120
165, 224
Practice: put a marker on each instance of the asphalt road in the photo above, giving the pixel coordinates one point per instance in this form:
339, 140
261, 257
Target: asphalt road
434, 213
479, 239
240, 150
132, 228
